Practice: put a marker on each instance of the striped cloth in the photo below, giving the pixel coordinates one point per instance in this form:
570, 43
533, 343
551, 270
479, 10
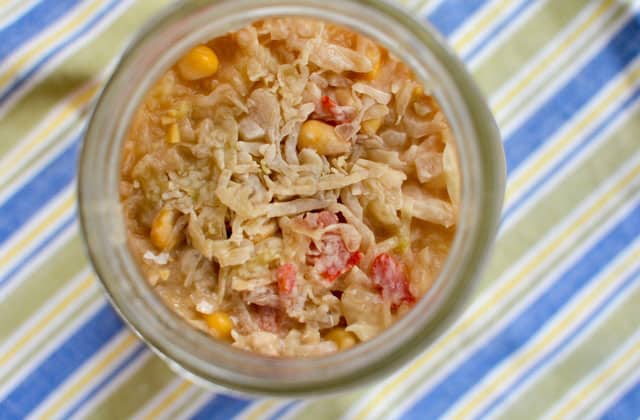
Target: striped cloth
553, 330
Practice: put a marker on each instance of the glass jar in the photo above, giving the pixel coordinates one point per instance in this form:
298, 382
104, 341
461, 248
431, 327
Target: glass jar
208, 361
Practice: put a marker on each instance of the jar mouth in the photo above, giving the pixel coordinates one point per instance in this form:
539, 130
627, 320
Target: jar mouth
192, 352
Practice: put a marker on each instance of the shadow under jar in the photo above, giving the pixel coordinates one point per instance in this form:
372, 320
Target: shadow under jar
190, 351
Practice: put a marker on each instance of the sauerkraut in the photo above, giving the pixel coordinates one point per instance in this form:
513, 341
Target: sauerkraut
290, 188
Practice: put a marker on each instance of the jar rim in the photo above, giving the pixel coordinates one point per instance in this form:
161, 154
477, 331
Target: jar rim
191, 352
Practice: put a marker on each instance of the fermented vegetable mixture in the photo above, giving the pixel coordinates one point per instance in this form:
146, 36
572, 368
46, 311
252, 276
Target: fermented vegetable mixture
290, 188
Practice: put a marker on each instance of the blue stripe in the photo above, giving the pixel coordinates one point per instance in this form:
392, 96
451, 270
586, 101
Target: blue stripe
567, 101
285, 408
44, 244
24, 77
451, 14
221, 407
627, 407
588, 323
505, 21
506, 342
15, 16
62, 362
32, 23
41, 188
139, 350
577, 148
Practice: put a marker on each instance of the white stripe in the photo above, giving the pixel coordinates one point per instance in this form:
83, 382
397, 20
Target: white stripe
617, 391
79, 373
452, 353
278, 404
52, 64
55, 149
36, 222
605, 387
113, 385
37, 261
428, 7
606, 397
38, 318
187, 398
566, 315
569, 350
299, 408
578, 152
197, 404
17, 9
507, 315
486, 10
557, 66
506, 33
554, 77
42, 37
75, 117
61, 337
159, 398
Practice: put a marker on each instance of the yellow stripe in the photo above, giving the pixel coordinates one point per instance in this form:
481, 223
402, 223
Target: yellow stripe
501, 104
468, 321
97, 367
161, 408
62, 209
516, 364
260, 409
78, 100
39, 49
544, 158
47, 319
491, 16
618, 366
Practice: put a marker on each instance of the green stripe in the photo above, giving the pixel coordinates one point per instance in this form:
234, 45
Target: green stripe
330, 408
619, 15
556, 205
535, 34
180, 410
608, 337
80, 310
559, 202
135, 392
46, 280
77, 70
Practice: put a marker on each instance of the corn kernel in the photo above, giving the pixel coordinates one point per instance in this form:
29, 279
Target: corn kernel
198, 63
322, 138
343, 339
418, 91
373, 54
167, 120
221, 324
372, 126
162, 229
183, 109
173, 134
